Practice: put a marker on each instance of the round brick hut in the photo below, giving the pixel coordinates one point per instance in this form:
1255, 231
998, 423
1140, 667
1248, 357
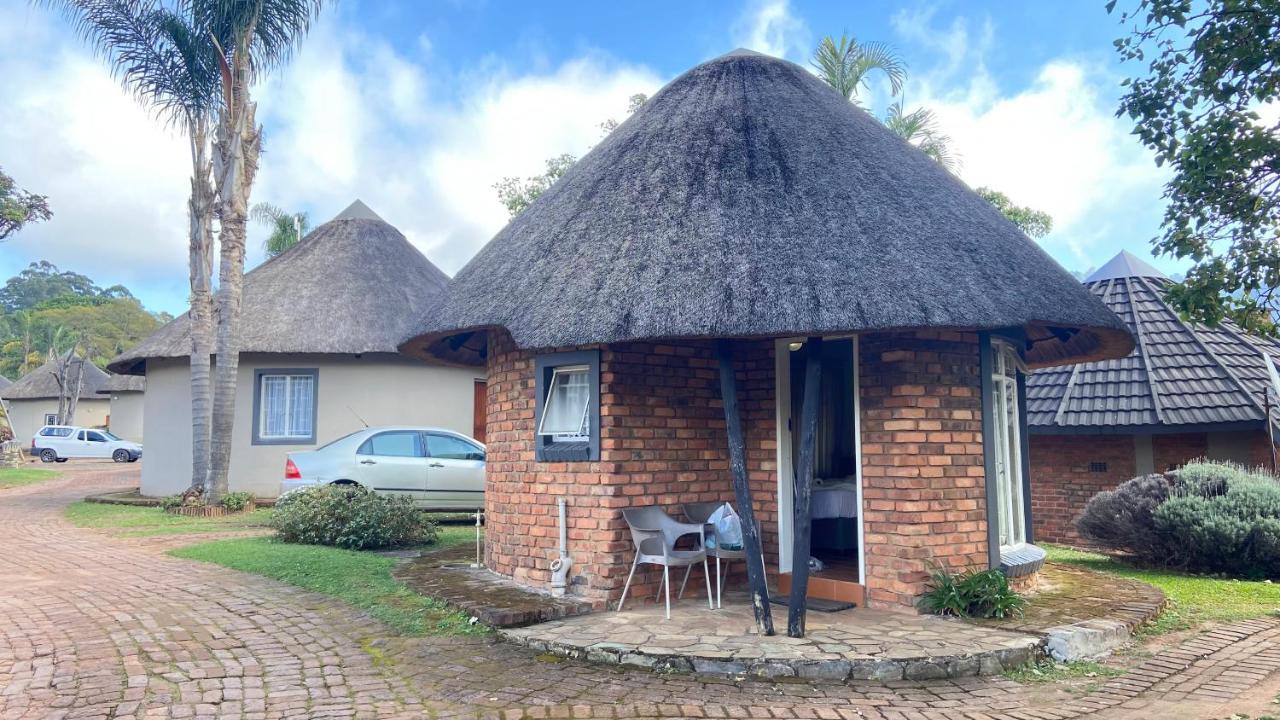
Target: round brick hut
749, 212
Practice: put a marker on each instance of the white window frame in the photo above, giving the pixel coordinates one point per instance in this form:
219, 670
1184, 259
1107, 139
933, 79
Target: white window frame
586, 409
50, 418
289, 379
1007, 420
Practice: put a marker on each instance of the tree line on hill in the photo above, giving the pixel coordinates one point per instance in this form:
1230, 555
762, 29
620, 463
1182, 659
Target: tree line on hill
45, 312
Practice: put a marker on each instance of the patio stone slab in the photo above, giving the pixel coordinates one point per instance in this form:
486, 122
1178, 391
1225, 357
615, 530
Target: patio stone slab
851, 646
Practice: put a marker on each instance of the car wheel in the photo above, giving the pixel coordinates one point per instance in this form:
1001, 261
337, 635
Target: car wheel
48, 455
121, 456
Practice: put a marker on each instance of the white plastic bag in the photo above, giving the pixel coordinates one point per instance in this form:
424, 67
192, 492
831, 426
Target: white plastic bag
728, 527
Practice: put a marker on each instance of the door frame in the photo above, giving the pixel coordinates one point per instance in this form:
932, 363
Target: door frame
782, 409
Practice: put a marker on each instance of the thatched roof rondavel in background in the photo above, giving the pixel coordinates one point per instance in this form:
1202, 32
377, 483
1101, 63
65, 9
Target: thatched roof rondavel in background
123, 384
748, 199
42, 383
353, 285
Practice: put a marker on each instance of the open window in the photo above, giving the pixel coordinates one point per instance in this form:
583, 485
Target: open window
568, 410
1007, 445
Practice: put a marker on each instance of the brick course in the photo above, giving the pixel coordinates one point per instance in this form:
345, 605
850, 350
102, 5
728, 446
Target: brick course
663, 442
1061, 482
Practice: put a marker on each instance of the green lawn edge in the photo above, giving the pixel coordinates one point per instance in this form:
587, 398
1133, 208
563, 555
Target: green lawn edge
1194, 600
18, 477
361, 579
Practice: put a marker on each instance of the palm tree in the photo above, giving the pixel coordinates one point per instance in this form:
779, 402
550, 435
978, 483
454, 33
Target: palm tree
287, 229
844, 64
250, 38
920, 128
164, 56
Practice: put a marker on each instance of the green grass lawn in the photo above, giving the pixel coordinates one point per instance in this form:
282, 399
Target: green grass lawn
1194, 599
362, 579
16, 477
135, 521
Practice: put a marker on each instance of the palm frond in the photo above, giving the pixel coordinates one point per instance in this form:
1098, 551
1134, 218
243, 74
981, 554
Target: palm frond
845, 64
920, 128
266, 31
267, 213
880, 56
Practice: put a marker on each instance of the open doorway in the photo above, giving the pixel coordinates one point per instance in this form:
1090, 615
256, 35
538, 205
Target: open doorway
836, 568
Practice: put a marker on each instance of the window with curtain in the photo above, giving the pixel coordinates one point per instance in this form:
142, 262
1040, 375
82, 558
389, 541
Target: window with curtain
566, 412
286, 408
1008, 445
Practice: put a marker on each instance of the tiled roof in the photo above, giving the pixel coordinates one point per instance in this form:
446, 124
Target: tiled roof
1180, 373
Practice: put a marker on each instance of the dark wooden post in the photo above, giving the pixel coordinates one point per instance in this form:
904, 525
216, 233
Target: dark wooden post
742, 491
797, 605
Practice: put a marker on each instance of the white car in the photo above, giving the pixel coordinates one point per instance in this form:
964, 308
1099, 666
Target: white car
433, 467
57, 443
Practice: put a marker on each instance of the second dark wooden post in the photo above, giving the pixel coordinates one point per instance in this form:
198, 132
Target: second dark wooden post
742, 490
797, 604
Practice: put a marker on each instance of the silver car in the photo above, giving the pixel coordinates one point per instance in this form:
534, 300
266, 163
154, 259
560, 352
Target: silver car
433, 467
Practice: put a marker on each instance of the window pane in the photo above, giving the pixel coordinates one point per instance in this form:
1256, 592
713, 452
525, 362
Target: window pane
1007, 446
95, 437
271, 423
568, 399
447, 447
393, 444
301, 403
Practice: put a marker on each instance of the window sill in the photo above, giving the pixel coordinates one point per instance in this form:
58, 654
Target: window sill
565, 452
1021, 560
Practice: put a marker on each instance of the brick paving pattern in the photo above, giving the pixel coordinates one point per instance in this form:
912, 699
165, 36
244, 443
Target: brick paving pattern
98, 627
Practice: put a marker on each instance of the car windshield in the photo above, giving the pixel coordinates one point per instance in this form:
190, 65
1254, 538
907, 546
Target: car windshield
108, 435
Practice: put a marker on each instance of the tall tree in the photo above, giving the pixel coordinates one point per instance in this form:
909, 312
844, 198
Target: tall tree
19, 207
1035, 223
164, 55
846, 64
287, 229
1207, 68
251, 38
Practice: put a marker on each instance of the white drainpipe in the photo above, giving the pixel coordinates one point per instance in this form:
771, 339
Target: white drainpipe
560, 566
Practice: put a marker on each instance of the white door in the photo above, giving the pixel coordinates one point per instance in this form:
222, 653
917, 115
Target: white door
96, 444
393, 463
785, 455
455, 472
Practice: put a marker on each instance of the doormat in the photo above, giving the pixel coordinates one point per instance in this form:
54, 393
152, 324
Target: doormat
816, 604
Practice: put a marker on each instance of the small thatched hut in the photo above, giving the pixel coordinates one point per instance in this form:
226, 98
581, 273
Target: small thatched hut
126, 395
32, 400
747, 214
320, 327
1186, 391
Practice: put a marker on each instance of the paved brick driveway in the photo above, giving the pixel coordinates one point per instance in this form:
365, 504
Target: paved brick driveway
96, 627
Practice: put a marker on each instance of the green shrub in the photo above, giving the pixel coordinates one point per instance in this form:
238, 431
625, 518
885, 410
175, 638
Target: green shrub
170, 501
981, 594
236, 501
350, 517
1124, 518
1213, 517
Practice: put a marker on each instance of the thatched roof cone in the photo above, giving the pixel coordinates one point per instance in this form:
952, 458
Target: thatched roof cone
353, 285
42, 383
748, 199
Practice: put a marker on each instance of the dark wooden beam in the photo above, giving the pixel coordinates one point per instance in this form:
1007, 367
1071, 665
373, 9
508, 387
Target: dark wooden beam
797, 605
742, 491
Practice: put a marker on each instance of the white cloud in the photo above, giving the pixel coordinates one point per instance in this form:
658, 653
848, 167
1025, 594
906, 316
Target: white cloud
769, 26
1055, 144
350, 117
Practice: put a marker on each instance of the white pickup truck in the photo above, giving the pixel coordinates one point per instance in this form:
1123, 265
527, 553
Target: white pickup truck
58, 443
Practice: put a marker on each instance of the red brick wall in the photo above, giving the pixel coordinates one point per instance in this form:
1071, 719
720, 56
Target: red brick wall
1061, 482
1171, 451
923, 473
663, 442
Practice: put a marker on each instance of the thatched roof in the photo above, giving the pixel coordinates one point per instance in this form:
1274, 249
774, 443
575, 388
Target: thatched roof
5, 382
1181, 376
353, 285
123, 384
748, 199
42, 383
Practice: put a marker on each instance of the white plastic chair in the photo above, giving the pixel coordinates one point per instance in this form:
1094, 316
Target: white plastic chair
701, 513
654, 534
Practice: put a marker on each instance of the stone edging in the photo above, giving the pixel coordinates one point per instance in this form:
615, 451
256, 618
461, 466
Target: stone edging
938, 667
1091, 638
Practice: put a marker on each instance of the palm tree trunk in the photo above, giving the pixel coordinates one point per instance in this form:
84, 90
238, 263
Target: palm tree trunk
235, 164
200, 211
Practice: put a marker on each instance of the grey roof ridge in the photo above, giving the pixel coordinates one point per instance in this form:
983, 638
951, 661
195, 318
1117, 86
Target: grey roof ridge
1240, 386
1075, 369
1142, 345
1266, 358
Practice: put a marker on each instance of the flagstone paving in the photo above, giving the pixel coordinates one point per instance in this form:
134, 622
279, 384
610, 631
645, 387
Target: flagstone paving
98, 627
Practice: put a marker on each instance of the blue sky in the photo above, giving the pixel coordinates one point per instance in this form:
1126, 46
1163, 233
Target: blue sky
419, 107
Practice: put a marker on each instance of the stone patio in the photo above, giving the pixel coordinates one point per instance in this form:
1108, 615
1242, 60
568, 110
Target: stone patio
860, 644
